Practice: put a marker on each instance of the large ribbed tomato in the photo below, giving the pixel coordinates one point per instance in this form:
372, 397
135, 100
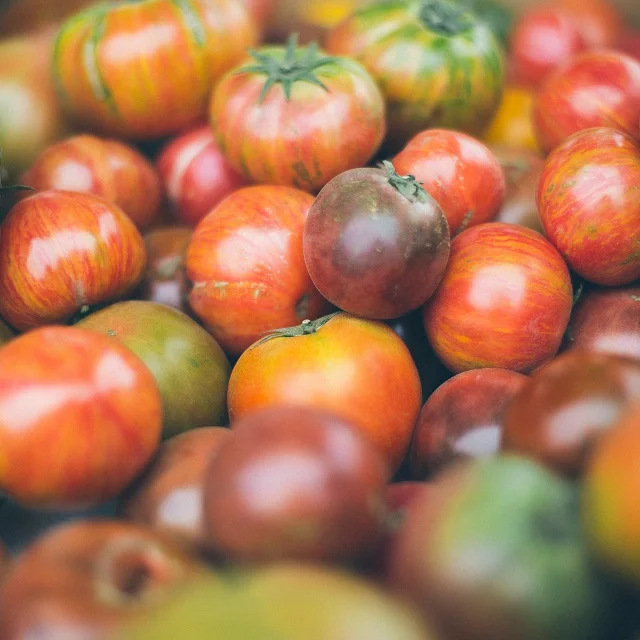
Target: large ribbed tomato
297, 117
144, 68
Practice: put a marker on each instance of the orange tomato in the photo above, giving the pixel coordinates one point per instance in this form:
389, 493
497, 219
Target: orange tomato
513, 124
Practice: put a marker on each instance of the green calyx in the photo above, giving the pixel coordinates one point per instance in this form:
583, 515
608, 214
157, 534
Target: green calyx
295, 64
445, 17
307, 328
408, 186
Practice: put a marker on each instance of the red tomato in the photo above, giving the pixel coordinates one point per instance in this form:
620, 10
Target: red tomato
61, 251
459, 172
504, 301
543, 39
107, 168
595, 89
297, 117
80, 416
196, 175
589, 204
629, 43
260, 9
359, 369
599, 21
247, 267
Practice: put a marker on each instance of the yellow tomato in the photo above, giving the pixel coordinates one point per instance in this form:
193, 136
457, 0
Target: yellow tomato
513, 124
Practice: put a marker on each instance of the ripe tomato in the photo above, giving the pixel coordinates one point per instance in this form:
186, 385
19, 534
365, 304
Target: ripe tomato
589, 204
80, 417
107, 168
61, 251
359, 369
504, 301
247, 267
629, 43
594, 89
144, 68
599, 21
437, 64
543, 39
513, 125
459, 172
297, 117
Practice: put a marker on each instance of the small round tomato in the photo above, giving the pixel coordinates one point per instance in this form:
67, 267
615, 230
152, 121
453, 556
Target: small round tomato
359, 369
375, 243
438, 64
589, 204
80, 417
594, 89
196, 175
297, 117
62, 251
599, 21
247, 267
512, 126
543, 39
459, 172
106, 168
504, 301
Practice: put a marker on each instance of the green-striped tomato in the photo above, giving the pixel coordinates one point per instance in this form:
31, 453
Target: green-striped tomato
297, 117
144, 68
437, 63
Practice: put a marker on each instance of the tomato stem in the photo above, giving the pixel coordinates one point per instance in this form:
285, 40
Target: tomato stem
408, 186
306, 328
445, 17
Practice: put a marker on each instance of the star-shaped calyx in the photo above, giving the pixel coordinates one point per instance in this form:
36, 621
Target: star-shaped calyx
445, 17
408, 186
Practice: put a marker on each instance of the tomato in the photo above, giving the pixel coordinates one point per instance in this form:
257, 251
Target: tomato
297, 117
80, 417
594, 89
107, 168
459, 172
375, 243
629, 43
497, 16
196, 175
359, 369
543, 39
512, 126
62, 251
246, 264
589, 204
188, 365
504, 301
599, 21
118, 74
259, 9
437, 64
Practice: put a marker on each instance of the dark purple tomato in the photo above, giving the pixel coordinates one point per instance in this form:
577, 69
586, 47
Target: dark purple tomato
567, 405
607, 321
295, 483
463, 419
375, 243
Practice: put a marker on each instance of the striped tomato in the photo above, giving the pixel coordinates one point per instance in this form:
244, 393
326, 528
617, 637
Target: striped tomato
297, 117
504, 301
144, 68
438, 65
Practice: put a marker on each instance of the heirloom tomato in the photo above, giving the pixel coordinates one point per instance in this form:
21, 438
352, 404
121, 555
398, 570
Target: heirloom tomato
504, 301
295, 116
359, 369
438, 64
61, 252
375, 243
512, 126
630, 43
589, 204
80, 417
246, 264
459, 172
497, 15
144, 68
599, 21
107, 168
594, 89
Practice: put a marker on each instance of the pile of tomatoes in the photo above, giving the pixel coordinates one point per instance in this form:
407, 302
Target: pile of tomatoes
319, 340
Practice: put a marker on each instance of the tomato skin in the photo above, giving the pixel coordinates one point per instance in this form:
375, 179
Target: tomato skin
80, 416
359, 369
106, 168
303, 141
60, 251
504, 301
512, 126
106, 54
595, 89
247, 268
599, 21
459, 172
429, 79
589, 206
196, 175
